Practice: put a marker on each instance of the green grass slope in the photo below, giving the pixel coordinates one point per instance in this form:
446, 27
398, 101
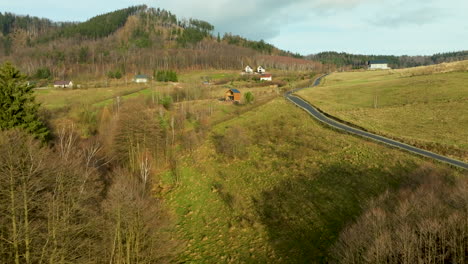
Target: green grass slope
426, 106
274, 186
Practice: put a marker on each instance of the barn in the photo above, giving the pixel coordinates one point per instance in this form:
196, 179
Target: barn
378, 64
233, 95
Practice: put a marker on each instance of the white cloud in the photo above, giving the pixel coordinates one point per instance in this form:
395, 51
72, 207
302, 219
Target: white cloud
258, 19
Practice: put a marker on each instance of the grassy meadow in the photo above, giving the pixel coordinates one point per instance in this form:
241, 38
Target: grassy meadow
84, 105
424, 106
189, 87
274, 186
55, 98
243, 183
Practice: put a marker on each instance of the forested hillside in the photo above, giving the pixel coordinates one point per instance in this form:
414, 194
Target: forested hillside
356, 61
133, 40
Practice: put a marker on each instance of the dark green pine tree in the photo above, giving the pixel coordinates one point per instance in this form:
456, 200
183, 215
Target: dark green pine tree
18, 108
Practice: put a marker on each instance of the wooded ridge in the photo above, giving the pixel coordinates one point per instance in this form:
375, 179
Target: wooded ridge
133, 40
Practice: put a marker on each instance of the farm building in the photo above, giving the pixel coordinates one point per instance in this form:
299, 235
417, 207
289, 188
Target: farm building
266, 77
261, 70
233, 95
141, 78
63, 84
378, 64
248, 69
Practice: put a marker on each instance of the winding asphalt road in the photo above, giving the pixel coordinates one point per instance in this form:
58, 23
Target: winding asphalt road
322, 118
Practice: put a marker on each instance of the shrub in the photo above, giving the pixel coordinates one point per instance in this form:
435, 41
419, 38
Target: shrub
165, 76
114, 75
43, 73
248, 97
17, 103
166, 101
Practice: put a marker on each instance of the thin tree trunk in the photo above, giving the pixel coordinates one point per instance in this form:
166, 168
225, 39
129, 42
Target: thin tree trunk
26, 224
13, 219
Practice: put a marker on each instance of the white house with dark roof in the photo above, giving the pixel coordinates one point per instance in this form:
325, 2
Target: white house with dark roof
140, 78
63, 84
248, 69
378, 65
261, 70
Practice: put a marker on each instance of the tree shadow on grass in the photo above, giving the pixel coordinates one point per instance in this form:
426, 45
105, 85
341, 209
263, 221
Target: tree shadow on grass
304, 216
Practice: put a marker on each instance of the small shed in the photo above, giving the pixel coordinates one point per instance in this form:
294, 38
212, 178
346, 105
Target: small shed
63, 84
141, 78
266, 77
233, 95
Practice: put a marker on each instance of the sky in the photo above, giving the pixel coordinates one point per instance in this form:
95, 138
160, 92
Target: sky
386, 27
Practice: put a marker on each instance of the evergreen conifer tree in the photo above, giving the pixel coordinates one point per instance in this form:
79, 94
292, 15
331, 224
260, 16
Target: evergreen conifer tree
17, 103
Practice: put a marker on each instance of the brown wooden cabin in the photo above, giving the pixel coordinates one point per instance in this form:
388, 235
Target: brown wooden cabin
233, 95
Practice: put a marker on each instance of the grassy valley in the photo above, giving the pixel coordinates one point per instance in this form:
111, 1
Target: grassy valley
273, 185
207, 181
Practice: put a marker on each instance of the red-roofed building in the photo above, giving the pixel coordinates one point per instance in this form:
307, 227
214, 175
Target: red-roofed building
266, 77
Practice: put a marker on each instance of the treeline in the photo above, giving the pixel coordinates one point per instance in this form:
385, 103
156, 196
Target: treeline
95, 59
357, 61
102, 25
135, 39
42, 30
260, 46
34, 25
194, 31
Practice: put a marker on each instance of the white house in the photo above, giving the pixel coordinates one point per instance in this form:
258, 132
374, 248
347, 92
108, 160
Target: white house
141, 78
63, 84
261, 70
378, 65
266, 77
248, 69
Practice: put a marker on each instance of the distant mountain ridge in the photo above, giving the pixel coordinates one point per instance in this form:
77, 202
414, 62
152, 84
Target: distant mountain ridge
356, 61
139, 39
130, 40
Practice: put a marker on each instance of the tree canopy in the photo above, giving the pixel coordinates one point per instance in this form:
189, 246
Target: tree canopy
102, 25
165, 76
359, 61
18, 108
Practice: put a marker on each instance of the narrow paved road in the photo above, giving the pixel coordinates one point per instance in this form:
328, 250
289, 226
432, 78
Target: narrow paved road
322, 118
